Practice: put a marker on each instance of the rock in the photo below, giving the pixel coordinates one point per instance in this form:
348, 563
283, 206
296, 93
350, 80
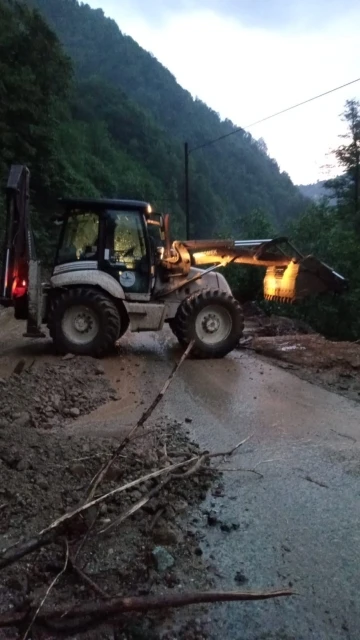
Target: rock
114, 472
212, 518
10, 456
188, 420
218, 492
23, 419
17, 584
78, 469
2, 381
240, 578
165, 535
50, 424
151, 460
229, 526
56, 402
103, 509
99, 370
3, 423
163, 560
74, 412
42, 483
180, 506
19, 367
69, 356
23, 465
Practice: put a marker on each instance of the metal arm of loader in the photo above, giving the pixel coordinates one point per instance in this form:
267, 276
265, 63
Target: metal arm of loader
289, 277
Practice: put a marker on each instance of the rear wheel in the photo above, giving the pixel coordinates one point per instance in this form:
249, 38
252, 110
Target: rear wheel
211, 318
84, 321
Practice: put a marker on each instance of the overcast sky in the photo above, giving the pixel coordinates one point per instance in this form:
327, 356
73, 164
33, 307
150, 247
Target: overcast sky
249, 58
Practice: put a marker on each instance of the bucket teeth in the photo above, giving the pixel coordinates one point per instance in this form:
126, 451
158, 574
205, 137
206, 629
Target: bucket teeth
280, 299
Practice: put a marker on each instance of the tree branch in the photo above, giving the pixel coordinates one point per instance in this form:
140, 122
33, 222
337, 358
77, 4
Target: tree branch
101, 610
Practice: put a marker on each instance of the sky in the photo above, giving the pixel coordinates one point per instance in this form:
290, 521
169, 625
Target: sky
248, 59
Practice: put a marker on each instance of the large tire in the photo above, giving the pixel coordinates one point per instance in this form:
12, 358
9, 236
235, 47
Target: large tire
213, 319
174, 328
84, 321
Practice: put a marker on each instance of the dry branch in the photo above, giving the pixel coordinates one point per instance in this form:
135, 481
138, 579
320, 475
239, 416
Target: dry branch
21, 549
46, 536
53, 583
85, 578
228, 454
145, 416
98, 611
138, 505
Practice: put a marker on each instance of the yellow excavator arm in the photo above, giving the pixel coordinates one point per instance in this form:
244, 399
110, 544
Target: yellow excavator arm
289, 276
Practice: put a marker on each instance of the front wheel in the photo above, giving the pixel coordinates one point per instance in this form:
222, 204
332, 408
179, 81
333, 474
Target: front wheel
84, 321
213, 319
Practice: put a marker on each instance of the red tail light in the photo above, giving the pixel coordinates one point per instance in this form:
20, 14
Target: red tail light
19, 288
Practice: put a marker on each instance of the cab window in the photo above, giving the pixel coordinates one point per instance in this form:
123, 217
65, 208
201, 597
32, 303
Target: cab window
125, 238
80, 239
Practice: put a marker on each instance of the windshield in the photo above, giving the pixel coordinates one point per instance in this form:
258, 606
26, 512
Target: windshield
125, 241
80, 239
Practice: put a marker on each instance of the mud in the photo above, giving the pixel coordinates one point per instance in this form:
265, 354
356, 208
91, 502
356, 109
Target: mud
294, 524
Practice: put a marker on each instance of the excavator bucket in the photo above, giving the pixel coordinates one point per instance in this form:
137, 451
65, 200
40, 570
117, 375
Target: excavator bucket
301, 279
290, 276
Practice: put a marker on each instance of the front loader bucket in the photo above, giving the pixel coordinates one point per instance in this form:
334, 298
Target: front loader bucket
301, 279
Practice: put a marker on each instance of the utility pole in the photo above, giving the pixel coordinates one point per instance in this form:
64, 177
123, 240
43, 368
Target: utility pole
187, 193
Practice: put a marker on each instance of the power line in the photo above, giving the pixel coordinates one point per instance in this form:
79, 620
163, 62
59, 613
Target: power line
273, 115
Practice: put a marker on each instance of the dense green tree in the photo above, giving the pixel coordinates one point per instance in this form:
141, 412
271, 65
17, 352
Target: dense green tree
34, 79
346, 187
228, 180
332, 233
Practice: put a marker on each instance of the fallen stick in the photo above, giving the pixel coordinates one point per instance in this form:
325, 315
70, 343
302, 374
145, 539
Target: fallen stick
228, 454
138, 505
114, 607
85, 578
53, 583
145, 416
46, 536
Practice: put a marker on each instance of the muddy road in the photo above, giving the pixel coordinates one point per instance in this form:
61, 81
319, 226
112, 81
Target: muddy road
297, 523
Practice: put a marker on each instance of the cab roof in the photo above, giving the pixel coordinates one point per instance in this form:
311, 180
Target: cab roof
100, 203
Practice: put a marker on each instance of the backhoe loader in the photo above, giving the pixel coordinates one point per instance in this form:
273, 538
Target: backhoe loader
115, 269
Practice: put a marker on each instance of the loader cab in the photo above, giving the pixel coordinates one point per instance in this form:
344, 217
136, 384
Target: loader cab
111, 236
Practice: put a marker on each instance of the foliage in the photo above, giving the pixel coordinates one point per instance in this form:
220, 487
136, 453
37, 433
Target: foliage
231, 178
246, 281
332, 234
116, 126
347, 186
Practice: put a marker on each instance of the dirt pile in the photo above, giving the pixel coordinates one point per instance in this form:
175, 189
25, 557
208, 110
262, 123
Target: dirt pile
45, 395
45, 473
258, 323
333, 365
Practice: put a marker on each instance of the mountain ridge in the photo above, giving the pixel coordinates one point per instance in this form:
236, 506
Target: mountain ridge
229, 179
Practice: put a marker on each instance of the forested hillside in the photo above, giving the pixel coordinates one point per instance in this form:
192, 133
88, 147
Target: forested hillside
94, 114
316, 191
146, 114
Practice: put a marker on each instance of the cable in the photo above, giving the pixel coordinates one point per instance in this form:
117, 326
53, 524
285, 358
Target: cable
274, 115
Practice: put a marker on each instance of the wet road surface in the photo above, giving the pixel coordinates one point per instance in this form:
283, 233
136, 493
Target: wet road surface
299, 525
